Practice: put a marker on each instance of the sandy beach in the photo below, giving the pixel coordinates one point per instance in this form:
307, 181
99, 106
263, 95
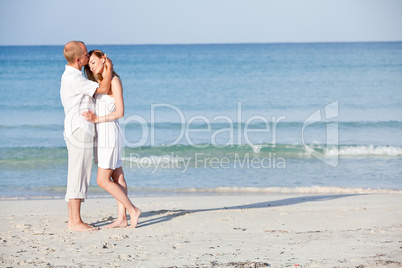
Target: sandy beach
276, 230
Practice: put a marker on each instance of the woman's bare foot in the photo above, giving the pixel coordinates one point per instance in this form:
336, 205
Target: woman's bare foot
134, 215
81, 227
117, 224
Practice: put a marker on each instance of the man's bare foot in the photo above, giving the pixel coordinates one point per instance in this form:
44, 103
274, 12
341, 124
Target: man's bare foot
134, 215
81, 227
117, 224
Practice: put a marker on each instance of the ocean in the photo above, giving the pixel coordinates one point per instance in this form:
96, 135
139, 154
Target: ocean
217, 119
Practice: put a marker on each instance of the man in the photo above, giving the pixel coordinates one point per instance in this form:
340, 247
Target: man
76, 94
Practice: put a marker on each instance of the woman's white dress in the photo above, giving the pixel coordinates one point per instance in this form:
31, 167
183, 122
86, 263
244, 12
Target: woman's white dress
109, 137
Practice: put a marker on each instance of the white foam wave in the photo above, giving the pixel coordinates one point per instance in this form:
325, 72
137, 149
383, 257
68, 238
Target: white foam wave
256, 148
295, 190
361, 150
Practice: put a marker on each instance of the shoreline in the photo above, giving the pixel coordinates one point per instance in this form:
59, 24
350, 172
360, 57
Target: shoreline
149, 192
310, 230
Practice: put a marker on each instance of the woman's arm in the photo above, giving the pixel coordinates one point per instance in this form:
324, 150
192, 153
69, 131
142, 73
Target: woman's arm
105, 84
117, 90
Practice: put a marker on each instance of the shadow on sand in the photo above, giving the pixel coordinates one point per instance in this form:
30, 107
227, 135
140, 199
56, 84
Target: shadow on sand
167, 215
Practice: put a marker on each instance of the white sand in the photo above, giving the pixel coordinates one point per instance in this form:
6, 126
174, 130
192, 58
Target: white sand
222, 231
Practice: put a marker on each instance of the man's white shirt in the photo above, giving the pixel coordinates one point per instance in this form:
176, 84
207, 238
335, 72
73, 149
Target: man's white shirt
76, 93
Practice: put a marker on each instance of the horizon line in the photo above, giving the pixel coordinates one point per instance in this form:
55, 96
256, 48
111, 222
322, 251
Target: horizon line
195, 44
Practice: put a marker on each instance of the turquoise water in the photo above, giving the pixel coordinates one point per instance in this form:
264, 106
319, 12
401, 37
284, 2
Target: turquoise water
217, 117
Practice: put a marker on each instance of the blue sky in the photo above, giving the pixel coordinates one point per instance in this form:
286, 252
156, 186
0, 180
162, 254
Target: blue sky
54, 22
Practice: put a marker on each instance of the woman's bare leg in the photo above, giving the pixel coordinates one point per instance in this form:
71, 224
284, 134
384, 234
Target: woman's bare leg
118, 177
104, 181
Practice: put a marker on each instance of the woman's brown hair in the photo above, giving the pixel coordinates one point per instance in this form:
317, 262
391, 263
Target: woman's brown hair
88, 72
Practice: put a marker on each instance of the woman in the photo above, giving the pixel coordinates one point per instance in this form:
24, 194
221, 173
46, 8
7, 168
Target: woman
109, 108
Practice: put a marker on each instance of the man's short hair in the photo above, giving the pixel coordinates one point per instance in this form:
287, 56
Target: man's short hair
72, 50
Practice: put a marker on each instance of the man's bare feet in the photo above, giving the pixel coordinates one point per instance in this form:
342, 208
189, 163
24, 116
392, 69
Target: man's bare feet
117, 224
81, 227
134, 215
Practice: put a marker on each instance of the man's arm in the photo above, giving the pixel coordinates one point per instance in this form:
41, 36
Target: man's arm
104, 86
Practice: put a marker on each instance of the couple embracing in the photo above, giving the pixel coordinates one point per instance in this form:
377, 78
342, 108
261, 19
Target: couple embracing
92, 105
